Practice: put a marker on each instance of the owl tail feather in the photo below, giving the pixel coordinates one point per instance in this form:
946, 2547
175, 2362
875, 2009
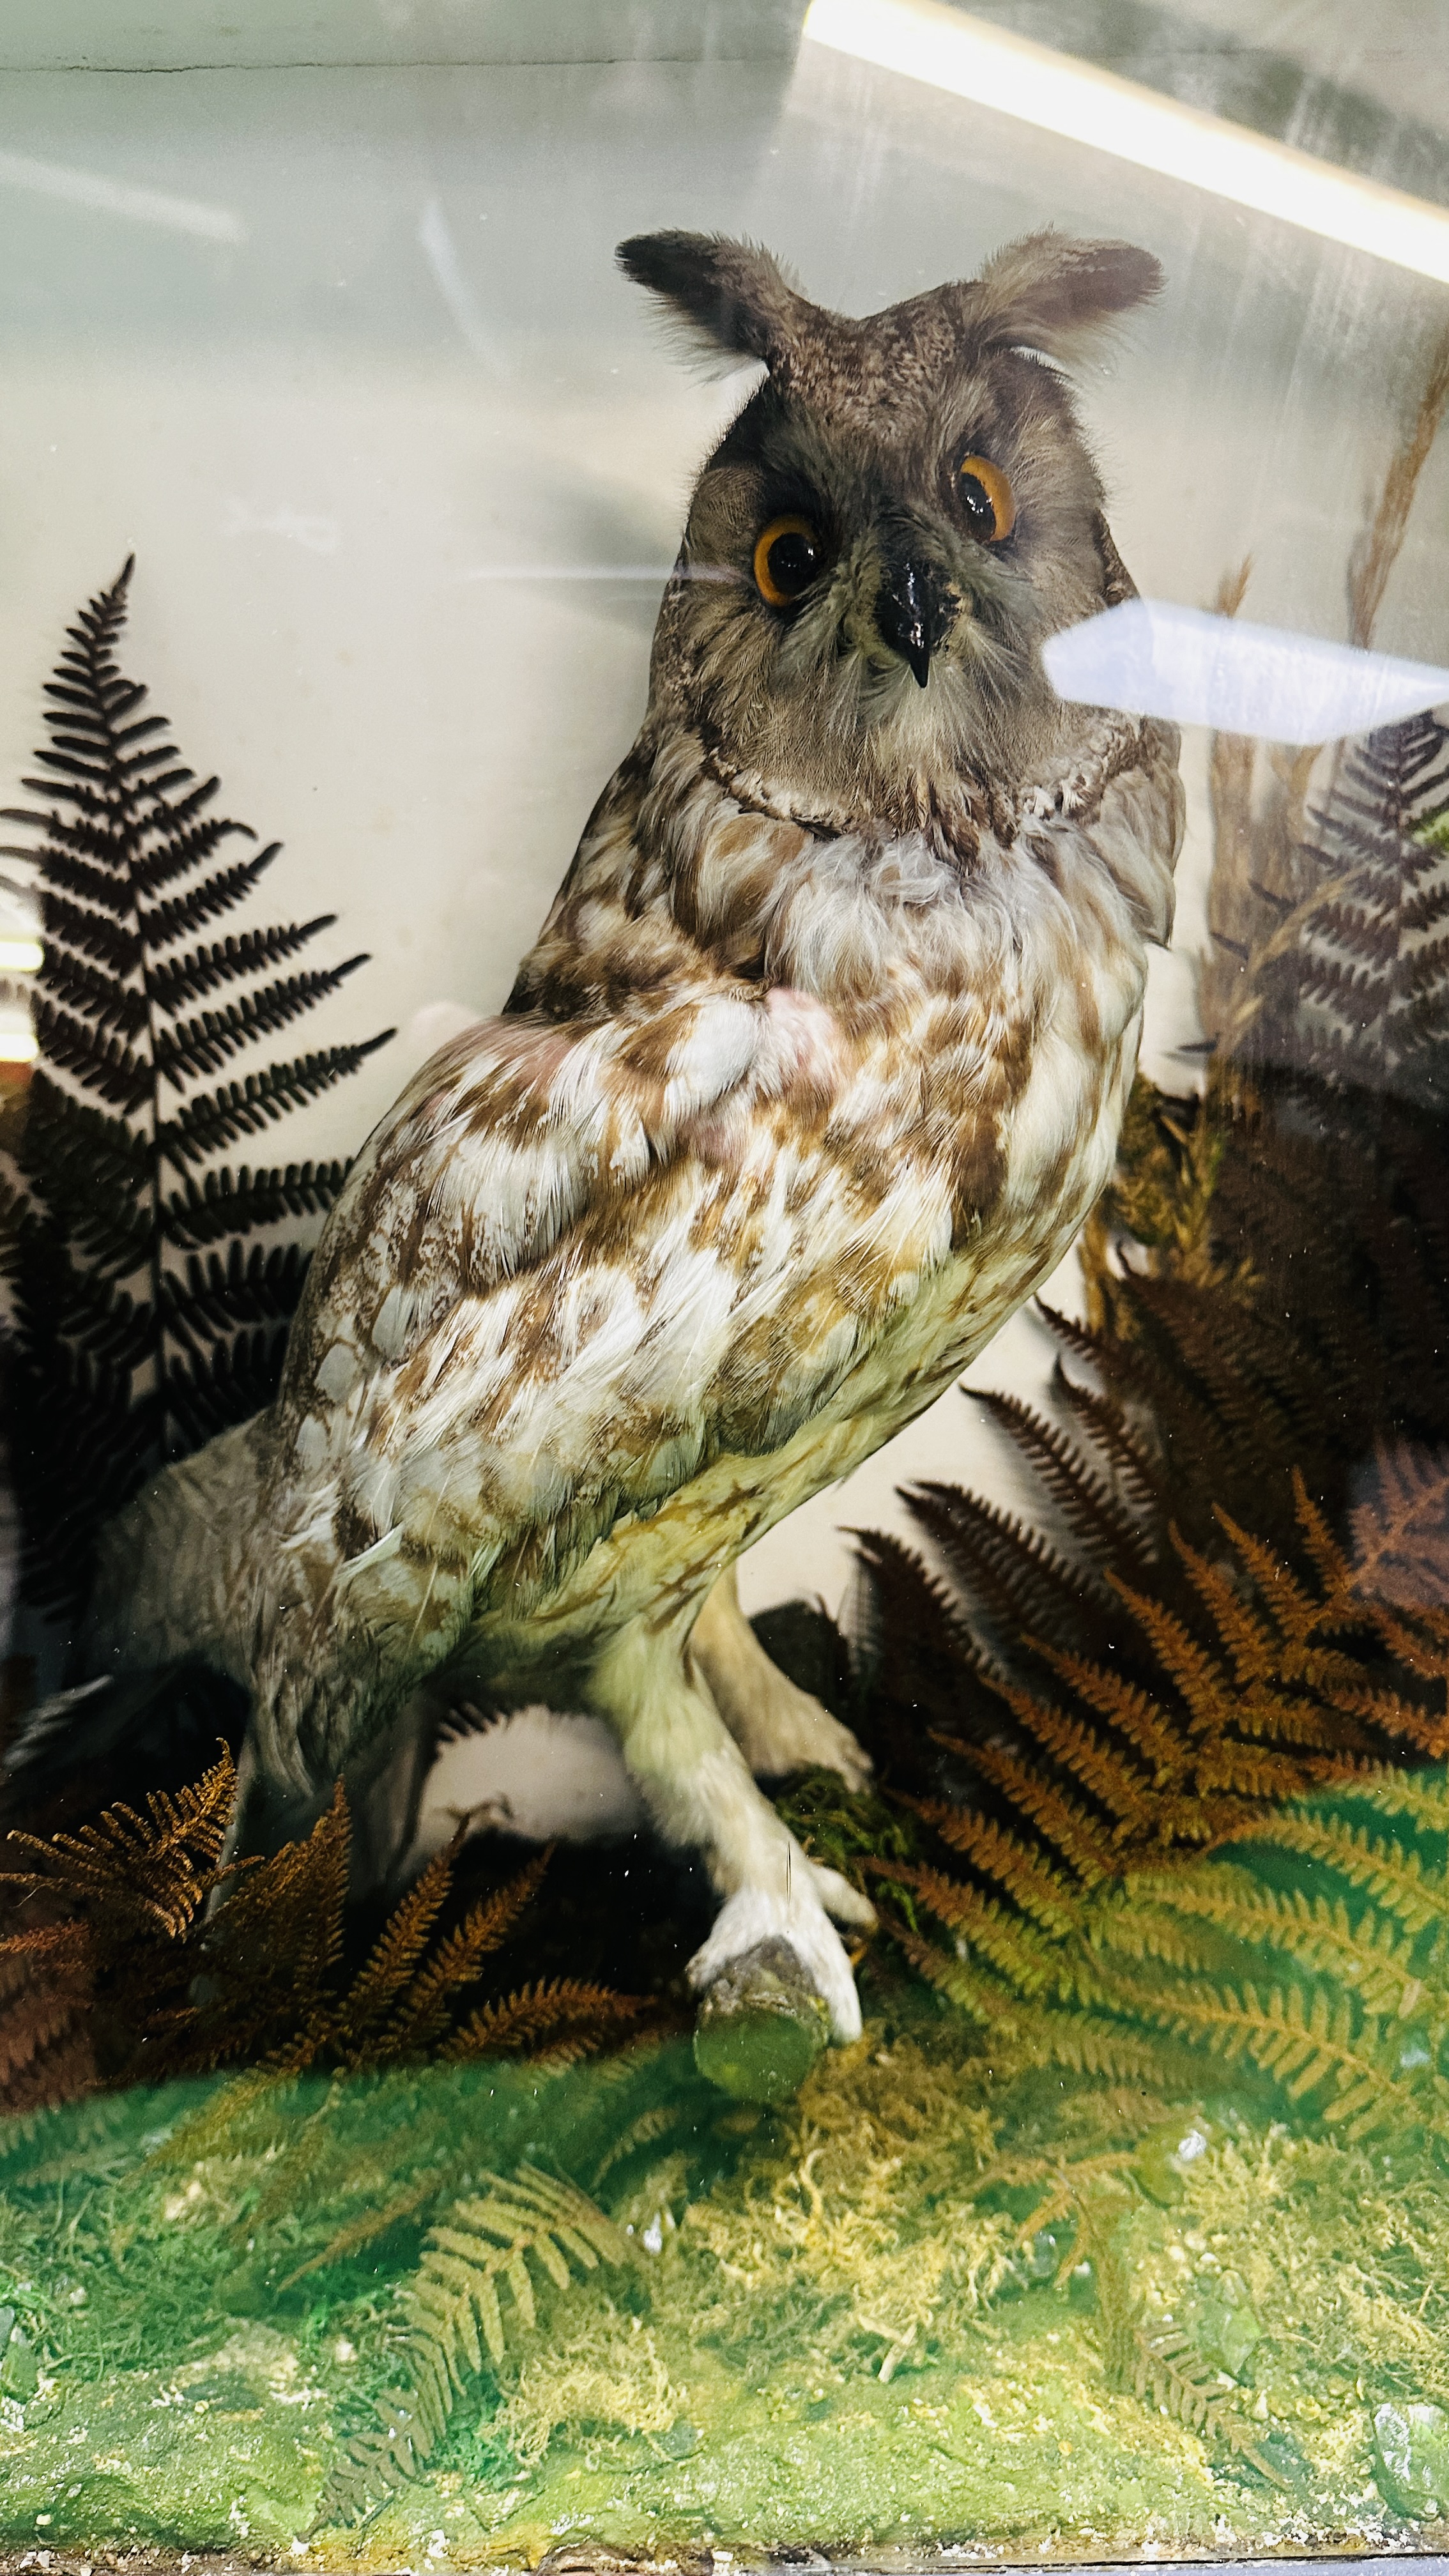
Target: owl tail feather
166, 1574
154, 1649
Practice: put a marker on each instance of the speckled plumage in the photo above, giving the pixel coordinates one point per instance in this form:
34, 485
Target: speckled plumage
812, 1074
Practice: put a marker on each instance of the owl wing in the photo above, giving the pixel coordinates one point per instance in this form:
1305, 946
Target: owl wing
573, 1264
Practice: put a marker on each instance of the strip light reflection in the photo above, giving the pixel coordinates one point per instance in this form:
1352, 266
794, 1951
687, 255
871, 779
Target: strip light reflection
929, 42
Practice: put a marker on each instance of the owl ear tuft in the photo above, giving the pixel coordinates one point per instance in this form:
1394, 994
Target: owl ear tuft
1047, 292
732, 295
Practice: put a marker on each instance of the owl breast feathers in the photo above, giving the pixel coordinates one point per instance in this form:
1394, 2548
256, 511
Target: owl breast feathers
812, 1074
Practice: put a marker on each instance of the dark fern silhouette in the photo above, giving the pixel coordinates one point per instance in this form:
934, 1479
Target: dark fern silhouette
1358, 992
143, 1319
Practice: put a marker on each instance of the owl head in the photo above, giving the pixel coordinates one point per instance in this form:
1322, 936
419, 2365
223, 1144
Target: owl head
903, 511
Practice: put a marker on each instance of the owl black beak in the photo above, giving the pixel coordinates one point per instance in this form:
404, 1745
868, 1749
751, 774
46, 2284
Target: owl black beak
913, 614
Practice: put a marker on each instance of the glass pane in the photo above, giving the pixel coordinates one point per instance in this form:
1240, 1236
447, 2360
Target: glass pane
725, 1720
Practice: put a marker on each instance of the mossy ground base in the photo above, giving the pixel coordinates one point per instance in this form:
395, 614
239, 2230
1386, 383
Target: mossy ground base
825, 2339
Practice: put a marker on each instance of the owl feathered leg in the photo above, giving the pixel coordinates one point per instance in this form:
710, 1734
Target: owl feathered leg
777, 1726
696, 1784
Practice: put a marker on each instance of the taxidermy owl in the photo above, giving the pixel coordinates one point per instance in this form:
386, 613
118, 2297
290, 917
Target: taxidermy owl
810, 1078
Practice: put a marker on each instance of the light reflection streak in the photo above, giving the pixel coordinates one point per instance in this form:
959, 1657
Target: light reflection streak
104, 196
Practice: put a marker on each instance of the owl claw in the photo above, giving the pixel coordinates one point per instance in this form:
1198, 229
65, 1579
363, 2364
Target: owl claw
841, 1900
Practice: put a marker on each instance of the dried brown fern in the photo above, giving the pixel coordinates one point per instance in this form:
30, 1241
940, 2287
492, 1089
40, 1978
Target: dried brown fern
136, 1945
151, 1872
1401, 1534
108, 1917
560, 2018
1377, 550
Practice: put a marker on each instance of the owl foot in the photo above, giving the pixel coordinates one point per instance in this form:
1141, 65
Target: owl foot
777, 1726
799, 1735
798, 1918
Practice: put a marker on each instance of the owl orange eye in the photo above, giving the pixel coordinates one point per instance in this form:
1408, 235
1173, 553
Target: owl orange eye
787, 558
986, 498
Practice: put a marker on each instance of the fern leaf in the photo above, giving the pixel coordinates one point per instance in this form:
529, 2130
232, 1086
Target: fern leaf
1421, 1796
178, 980
1087, 1756
233, 1382
160, 1866
559, 2018
422, 2014
394, 1956
1131, 1710
364, 2230
1164, 2371
1040, 1891
1092, 2044
258, 1287
375, 2463
1108, 1535
1012, 1947
1062, 1820
215, 1119
984, 1997
131, 860
106, 1066
1306, 2039
219, 1206
1370, 1959
181, 916
1396, 1879
490, 2240
190, 1048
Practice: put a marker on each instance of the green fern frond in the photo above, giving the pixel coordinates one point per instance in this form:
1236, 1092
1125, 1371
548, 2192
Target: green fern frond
374, 2463
364, 2230
1421, 1796
1029, 1962
1161, 2369
983, 1997
646, 2131
1371, 1959
1092, 2044
1395, 1879
486, 2242
1308, 2039
1137, 1928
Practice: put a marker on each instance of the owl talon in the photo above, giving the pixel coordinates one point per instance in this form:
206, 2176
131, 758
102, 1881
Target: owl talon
844, 1903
